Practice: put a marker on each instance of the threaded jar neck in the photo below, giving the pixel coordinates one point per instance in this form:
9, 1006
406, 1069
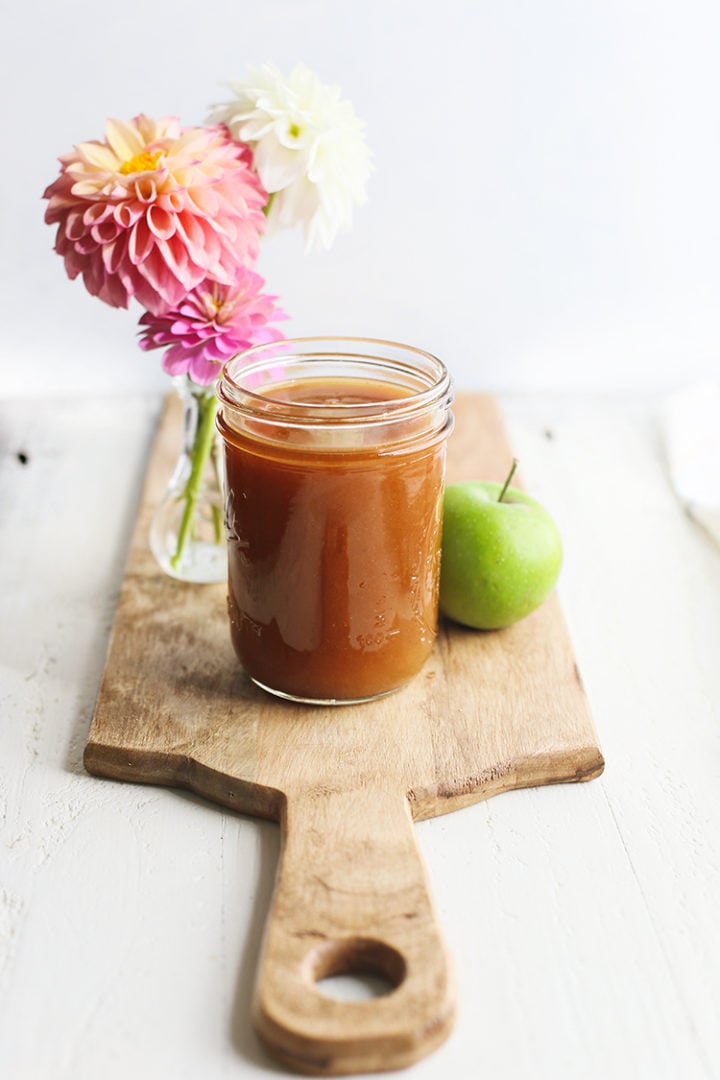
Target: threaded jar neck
336, 393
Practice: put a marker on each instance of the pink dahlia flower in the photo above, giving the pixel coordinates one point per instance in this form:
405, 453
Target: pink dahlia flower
211, 324
155, 209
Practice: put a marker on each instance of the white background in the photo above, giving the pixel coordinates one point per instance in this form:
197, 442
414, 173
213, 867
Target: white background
543, 214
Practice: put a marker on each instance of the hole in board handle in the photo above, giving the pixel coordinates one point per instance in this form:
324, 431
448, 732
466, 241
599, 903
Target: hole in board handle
355, 969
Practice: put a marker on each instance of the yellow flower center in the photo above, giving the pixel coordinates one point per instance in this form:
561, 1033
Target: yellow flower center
215, 306
145, 161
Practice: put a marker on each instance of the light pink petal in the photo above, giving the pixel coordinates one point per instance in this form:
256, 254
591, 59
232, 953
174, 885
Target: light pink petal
178, 263
141, 243
126, 214
157, 288
83, 189
113, 255
160, 223
204, 200
75, 227
202, 370
95, 213
124, 139
100, 155
146, 188
87, 245
176, 361
113, 292
105, 232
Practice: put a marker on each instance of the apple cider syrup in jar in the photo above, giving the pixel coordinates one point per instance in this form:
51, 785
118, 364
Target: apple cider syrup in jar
335, 460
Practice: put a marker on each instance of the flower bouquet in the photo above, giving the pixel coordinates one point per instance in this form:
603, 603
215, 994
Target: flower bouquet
172, 217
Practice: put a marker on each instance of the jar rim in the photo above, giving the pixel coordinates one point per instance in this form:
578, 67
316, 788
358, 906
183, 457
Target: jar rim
235, 387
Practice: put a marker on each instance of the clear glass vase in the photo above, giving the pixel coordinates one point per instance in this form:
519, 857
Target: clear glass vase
187, 535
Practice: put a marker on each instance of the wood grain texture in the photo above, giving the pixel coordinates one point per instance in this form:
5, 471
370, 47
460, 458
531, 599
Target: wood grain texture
488, 713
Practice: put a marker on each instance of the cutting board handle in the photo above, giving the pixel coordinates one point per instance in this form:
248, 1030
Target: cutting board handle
351, 898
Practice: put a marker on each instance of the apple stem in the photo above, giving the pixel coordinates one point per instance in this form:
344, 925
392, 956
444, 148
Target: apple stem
510, 475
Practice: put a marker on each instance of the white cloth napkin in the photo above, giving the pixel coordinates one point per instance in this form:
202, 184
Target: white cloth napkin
691, 426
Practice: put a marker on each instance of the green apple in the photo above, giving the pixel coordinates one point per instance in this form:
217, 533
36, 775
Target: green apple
501, 554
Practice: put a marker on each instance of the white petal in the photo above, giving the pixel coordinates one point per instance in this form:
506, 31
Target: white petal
277, 166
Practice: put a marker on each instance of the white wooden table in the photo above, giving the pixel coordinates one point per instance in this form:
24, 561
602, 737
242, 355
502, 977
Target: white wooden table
583, 919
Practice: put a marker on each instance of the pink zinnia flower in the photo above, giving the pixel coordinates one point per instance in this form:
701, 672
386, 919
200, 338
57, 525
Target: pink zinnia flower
155, 209
211, 324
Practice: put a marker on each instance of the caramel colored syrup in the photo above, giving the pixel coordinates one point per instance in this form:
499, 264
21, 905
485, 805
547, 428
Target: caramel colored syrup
333, 553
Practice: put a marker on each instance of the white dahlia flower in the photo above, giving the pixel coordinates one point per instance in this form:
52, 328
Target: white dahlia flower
308, 148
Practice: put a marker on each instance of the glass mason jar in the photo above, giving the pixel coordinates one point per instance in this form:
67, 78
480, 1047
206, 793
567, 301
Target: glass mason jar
334, 462
186, 532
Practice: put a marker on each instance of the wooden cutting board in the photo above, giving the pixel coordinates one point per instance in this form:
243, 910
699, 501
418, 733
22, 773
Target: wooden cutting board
488, 713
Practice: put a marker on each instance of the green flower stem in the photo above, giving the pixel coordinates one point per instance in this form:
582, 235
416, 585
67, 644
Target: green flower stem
201, 450
217, 513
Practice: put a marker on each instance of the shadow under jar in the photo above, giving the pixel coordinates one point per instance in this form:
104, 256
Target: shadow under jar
335, 461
